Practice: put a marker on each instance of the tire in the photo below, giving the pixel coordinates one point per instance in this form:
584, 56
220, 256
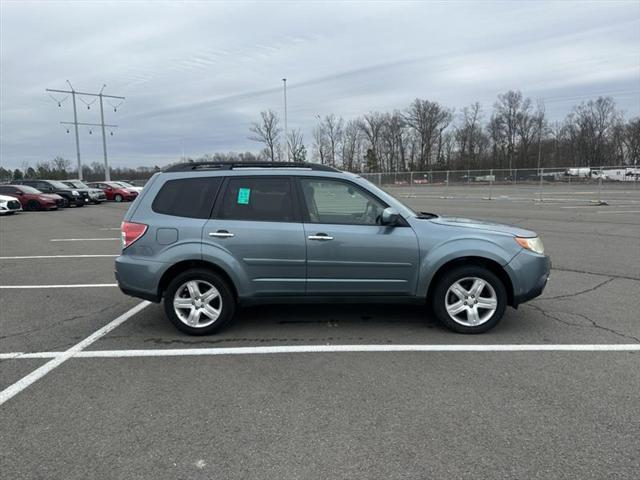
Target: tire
118, 198
447, 297
65, 202
223, 302
33, 205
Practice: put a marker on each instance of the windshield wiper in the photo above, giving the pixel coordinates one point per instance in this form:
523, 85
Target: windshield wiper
426, 215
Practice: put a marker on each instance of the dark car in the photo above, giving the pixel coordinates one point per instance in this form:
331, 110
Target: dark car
71, 196
96, 195
31, 198
115, 192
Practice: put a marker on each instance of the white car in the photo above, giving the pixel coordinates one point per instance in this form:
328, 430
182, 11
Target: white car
129, 186
9, 205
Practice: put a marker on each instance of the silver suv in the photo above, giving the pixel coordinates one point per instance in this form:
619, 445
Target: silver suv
206, 237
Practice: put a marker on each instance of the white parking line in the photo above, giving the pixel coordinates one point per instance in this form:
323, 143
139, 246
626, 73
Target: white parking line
78, 285
262, 350
618, 211
62, 357
82, 239
26, 257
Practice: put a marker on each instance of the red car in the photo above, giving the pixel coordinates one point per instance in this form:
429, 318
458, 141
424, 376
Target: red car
31, 198
115, 192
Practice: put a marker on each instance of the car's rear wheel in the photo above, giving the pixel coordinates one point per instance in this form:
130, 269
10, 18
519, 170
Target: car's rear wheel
199, 302
118, 198
33, 205
469, 299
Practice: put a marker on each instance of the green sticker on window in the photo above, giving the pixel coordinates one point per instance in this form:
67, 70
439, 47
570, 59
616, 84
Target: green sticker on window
243, 196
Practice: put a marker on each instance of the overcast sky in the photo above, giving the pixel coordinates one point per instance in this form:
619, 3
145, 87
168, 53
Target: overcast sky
197, 74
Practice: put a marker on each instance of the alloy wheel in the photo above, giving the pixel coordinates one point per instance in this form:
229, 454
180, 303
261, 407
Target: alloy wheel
471, 301
197, 303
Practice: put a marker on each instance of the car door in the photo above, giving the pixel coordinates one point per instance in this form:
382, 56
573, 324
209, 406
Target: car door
257, 223
348, 251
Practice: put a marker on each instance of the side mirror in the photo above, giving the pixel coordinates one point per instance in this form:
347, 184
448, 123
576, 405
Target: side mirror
19, 193
390, 216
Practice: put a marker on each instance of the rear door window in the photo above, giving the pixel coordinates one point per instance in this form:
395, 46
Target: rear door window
265, 199
187, 197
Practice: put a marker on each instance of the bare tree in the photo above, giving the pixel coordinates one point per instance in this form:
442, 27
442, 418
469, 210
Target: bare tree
371, 126
332, 127
591, 126
351, 141
295, 142
469, 136
632, 141
267, 132
320, 143
428, 119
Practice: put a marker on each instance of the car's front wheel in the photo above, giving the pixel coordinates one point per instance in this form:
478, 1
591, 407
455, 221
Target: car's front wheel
199, 302
469, 299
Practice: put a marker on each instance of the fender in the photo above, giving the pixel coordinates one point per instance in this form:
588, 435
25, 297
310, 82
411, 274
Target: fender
458, 248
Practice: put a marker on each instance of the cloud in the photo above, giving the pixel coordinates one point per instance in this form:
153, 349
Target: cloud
196, 74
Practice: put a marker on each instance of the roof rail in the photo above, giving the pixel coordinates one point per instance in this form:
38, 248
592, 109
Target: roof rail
188, 166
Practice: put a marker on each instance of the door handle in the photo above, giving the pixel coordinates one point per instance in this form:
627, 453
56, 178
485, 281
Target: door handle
320, 236
221, 234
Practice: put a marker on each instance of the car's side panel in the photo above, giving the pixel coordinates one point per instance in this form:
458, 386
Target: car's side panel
471, 246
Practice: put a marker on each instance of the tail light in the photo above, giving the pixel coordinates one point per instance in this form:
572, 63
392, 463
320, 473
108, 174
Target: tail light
131, 232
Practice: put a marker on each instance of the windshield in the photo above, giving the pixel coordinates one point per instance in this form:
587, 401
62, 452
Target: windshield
76, 184
27, 189
124, 184
407, 211
60, 185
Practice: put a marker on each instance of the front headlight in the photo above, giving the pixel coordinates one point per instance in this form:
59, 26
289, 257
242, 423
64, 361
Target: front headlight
74, 193
534, 244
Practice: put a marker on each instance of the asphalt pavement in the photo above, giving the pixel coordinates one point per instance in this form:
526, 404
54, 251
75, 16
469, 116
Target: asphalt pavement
489, 414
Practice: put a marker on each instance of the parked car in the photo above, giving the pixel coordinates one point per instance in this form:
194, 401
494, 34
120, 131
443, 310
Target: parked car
31, 198
115, 192
71, 196
129, 186
205, 237
9, 205
96, 195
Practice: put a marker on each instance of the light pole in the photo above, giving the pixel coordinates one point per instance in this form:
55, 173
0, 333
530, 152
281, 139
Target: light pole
286, 132
75, 124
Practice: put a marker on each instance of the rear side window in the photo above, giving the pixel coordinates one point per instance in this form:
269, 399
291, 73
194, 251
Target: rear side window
187, 197
262, 199
8, 190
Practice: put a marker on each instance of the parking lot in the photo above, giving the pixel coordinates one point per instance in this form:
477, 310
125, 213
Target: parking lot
552, 392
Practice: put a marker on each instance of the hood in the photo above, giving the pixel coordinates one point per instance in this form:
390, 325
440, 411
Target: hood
483, 225
6, 198
52, 196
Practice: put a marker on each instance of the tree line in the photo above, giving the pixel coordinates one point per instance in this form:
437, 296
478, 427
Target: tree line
426, 135
61, 169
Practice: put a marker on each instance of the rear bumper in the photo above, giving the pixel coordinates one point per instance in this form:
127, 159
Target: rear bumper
139, 278
529, 273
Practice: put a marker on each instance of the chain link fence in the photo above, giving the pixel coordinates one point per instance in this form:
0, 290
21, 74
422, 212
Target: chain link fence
532, 180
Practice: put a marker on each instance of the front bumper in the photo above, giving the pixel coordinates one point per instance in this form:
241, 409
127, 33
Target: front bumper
529, 274
12, 206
